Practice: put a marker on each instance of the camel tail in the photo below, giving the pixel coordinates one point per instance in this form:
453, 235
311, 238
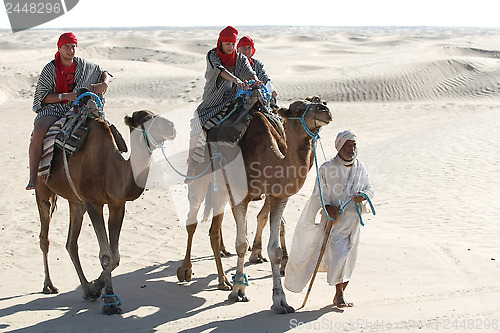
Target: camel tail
53, 204
207, 211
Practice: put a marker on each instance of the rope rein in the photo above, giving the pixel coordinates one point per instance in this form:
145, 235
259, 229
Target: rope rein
150, 141
217, 154
315, 137
84, 118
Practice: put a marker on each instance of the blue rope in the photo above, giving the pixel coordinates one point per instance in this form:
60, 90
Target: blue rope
88, 93
244, 276
316, 137
148, 138
245, 93
162, 147
358, 210
118, 303
228, 115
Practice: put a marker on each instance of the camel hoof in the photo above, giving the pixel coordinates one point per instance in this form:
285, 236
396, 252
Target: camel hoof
50, 289
242, 297
226, 286
184, 274
282, 309
111, 310
233, 297
238, 297
225, 253
257, 260
92, 292
111, 304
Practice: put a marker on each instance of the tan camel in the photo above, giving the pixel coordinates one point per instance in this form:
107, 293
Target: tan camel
274, 167
101, 176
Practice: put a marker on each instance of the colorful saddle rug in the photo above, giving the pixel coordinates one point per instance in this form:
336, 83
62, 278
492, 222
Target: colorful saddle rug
69, 134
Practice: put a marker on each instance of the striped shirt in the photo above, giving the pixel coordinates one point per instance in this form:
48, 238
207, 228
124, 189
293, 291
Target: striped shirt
258, 67
86, 73
218, 91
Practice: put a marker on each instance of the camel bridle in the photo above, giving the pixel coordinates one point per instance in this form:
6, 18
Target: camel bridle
302, 119
146, 133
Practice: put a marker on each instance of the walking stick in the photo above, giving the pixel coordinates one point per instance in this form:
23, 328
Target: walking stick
323, 247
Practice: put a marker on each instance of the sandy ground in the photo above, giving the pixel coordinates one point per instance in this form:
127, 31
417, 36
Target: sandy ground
425, 106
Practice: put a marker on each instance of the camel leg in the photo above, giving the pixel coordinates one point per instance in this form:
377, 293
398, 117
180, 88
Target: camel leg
275, 254
116, 214
238, 294
284, 257
256, 256
184, 272
46, 202
223, 251
111, 301
76, 212
115, 222
196, 194
215, 240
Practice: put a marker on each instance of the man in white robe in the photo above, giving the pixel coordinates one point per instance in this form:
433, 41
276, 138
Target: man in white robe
342, 178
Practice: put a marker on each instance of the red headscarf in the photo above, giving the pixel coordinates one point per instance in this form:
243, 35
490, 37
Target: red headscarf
66, 38
247, 41
228, 35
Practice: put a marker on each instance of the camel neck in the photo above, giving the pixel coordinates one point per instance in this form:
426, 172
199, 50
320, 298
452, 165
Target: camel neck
140, 161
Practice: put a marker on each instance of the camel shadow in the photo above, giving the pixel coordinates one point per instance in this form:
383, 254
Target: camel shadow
152, 297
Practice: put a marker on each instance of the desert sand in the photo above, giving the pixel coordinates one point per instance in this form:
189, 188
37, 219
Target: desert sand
425, 104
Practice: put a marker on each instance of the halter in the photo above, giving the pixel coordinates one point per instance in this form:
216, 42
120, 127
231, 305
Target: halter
314, 136
146, 133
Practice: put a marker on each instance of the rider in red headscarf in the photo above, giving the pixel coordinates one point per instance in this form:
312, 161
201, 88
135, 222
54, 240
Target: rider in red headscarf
227, 53
55, 93
246, 46
227, 70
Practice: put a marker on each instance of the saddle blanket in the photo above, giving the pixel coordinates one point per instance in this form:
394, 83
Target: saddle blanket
64, 135
48, 148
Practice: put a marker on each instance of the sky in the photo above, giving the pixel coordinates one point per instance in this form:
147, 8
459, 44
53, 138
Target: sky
181, 13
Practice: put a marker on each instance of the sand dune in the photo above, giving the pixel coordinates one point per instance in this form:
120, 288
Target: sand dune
425, 105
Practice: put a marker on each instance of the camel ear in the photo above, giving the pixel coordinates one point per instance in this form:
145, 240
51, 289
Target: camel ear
284, 112
128, 121
315, 99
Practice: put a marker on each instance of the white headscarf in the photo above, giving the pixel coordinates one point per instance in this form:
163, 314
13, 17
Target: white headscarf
342, 137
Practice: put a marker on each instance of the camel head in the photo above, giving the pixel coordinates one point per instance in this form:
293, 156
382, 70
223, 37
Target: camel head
157, 129
315, 113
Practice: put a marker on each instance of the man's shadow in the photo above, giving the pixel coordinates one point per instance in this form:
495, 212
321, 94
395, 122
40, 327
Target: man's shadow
264, 321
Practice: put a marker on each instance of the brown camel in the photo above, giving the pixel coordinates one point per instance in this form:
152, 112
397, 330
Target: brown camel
101, 176
274, 167
256, 255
